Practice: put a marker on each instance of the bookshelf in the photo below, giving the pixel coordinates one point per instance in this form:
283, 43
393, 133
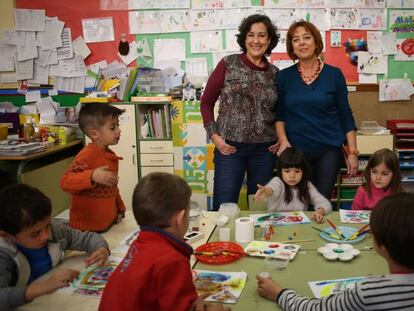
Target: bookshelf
155, 148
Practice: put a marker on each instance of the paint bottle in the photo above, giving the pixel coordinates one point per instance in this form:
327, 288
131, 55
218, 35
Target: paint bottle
28, 129
43, 134
62, 136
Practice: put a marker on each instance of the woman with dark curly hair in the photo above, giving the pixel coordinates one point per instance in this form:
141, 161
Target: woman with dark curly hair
244, 132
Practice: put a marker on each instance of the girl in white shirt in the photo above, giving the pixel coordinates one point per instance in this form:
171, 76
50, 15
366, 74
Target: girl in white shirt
293, 191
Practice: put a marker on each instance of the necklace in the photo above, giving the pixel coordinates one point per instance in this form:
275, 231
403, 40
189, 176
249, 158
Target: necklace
309, 79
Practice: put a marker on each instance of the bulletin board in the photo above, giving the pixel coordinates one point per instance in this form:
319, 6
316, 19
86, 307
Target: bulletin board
73, 13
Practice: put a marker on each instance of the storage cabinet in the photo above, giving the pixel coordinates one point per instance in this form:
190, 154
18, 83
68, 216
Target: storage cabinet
154, 137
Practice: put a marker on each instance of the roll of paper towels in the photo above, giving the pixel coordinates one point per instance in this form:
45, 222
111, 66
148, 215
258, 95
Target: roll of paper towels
244, 229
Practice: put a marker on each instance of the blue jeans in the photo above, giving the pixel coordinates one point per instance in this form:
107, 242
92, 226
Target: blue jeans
324, 168
229, 171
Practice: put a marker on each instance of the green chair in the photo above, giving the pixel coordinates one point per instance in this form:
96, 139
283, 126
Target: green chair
256, 206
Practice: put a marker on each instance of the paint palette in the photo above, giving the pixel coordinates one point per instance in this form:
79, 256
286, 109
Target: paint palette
347, 231
217, 253
272, 249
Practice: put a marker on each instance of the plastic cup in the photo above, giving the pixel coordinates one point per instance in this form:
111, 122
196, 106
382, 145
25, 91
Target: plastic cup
224, 234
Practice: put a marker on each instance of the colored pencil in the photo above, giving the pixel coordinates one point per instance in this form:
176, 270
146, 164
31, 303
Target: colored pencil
332, 235
336, 228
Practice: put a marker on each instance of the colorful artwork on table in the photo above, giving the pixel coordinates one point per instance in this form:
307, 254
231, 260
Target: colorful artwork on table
354, 217
223, 287
123, 246
92, 281
281, 218
272, 249
325, 288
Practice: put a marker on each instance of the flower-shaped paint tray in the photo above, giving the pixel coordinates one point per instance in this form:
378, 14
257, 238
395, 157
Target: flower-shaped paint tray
334, 251
347, 231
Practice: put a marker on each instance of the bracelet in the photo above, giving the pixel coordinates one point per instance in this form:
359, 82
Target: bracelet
354, 152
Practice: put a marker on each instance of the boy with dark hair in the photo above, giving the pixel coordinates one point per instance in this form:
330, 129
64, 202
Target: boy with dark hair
31, 245
92, 178
392, 225
155, 274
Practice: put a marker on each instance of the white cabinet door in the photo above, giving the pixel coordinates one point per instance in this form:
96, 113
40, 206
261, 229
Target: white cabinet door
127, 149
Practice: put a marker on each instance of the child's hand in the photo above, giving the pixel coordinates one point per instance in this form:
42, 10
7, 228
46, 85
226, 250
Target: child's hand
200, 305
318, 215
262, 191
102, 175
268, 288
121, 215
99, 257
60, 278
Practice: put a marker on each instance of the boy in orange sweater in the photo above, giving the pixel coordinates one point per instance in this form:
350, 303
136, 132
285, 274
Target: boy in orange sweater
92, 178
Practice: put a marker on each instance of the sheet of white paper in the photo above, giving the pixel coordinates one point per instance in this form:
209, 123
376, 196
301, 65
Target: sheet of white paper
8, 77
28, 109
114, 69
43, 56
74, 67
400, 4
29, 50
388, 41
395, 89
6, 62
168, 63
47, 118
98, 29
336, 38
29, 20
144, 22
13, 37
45, 107
402, 49
51, 38
374, 41
74, 85
132, 55
24, 69
364, 78
344, 19
8, 107
40, 74
231, 40
169, 49
52, 92
32, 96
373, 19
66, 50
174, 21
372, 63
80, 47
196, 67
206, 41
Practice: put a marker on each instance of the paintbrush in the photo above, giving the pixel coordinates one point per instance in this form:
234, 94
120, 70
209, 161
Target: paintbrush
332, 235
358, 233
336, 228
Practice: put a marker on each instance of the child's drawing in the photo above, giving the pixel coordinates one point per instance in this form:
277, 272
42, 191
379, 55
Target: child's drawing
329, 287
354, 217
281, 218
224, 287
123, 246
92, 281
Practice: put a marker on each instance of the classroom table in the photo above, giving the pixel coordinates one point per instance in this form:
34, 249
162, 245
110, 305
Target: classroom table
308, 265
74, 260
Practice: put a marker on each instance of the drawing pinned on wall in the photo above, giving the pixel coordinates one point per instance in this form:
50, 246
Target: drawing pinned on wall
395, 89
294, 4
206, 41
142, 22
372, 63
328, 287
98, 29
400, 3
372, 19
206, 19
405, 49
354, 217
231, 40
219, 4
344, 19
158, 4
223, 287
92, 281
175, 21
336, 38
401, 21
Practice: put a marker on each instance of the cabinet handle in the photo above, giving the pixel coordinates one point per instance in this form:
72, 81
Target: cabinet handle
133, 159
157, 160
160, 147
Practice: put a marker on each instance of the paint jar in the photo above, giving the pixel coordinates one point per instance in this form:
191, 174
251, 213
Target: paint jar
265, 275
279, 263
224, 234
194, 217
